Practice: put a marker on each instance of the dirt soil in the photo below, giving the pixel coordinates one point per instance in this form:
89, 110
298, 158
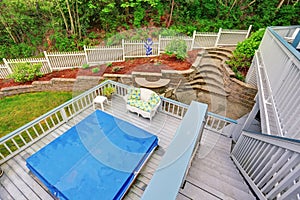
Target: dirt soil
148, 64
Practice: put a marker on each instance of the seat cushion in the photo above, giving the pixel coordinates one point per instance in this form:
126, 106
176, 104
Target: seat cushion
134, 93
154, 100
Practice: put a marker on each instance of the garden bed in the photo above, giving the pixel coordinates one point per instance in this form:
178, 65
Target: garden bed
147, 64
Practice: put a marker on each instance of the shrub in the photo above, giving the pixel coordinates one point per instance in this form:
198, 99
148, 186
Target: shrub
116, 68
26, 72
178, 48
109, 64
95, 70
243, 54
85, 66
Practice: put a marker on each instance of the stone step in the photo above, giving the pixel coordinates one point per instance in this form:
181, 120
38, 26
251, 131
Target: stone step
208, 75
209, 88
209, 81
220, 49
209, 68
207, 60
223, 54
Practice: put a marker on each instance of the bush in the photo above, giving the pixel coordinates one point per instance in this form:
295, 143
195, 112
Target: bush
85, 66
244, 53
26, 72
178, 48
95, 70
109, 64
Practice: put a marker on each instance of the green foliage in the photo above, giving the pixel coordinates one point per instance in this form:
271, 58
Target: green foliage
27, 28
26, 72
244, 52
178, 48
108, 91
63, 43
85, 66
138, 14
109, 64
95, 70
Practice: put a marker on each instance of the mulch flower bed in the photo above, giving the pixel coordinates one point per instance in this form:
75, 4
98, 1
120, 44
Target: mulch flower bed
147, 64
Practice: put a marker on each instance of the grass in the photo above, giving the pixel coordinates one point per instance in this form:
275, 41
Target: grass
18, 110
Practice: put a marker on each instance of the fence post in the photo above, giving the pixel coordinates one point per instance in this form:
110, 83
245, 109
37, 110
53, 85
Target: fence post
86, 55
158, 52
48, 61
123, 47
193, 41
7, 65
218, 37
249, 30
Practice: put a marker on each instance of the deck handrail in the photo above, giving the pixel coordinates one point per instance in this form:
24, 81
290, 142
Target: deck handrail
220, 124
270, 164
16, 141
178, 157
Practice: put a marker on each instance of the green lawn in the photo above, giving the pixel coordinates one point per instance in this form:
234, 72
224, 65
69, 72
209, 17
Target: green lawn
18, 110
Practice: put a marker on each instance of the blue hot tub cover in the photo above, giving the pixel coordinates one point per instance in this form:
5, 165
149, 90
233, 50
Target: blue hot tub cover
96, 159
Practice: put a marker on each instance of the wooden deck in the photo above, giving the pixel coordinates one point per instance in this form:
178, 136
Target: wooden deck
212, 175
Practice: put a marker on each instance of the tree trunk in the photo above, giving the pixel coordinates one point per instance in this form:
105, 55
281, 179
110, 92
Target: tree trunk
63, 16
78, 21
71, 18
171, 14
280, 4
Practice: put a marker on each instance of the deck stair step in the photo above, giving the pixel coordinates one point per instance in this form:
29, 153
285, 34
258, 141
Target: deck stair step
213, 170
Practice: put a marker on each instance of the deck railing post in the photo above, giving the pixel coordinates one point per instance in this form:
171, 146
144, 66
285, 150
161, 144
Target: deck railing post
64, 115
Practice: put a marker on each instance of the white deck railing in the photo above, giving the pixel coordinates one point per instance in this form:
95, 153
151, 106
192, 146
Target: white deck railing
23, 137
128, 49
278, 80
220, 124
270, 164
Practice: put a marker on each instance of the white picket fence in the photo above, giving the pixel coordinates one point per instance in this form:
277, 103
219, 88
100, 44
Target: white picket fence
128, 49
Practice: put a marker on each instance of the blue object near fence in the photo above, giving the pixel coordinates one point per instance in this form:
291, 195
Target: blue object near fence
148, 46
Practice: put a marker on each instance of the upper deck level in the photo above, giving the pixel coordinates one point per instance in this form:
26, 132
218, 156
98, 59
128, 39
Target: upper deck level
275, 71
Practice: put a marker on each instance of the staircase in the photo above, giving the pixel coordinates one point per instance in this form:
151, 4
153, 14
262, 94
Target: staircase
213, 174
209, 76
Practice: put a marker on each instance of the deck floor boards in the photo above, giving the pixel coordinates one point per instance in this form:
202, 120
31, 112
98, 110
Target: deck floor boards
18, 183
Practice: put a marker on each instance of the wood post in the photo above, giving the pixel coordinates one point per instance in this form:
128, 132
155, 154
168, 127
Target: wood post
86, 56
7, 65
218, 37
48, 61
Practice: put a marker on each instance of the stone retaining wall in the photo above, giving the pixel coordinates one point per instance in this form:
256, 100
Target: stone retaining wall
82, 83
